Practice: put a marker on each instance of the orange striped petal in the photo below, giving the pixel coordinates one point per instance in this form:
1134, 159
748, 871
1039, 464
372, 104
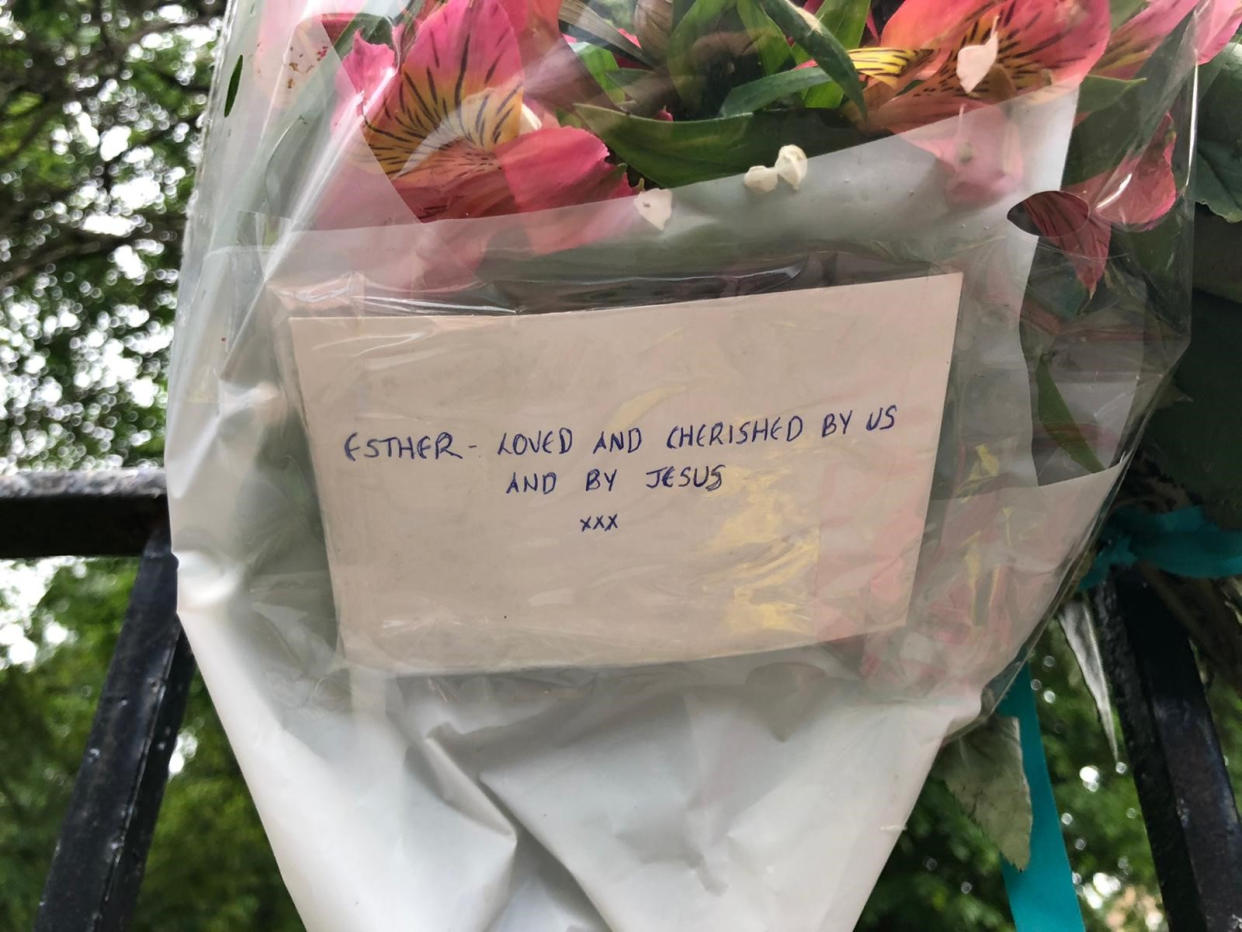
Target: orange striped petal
1038, 42
539, 170
1135, 39
1216, 21
460, 82
457, 181
935, 23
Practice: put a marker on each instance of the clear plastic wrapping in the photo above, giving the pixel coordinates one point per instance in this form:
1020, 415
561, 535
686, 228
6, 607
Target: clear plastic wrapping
851, 412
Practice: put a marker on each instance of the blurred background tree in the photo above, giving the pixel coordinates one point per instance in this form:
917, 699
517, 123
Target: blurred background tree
99, 102
98, 108
99, 105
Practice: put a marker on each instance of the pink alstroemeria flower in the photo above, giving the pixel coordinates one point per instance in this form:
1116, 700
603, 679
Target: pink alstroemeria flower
449, 125
1139, 192
1142, 190
938, 60
1216, 21
1027, 43
555, 75
1080, 219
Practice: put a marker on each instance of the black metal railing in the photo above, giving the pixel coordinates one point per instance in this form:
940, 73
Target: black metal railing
1175, 756
1188, 805
100, 856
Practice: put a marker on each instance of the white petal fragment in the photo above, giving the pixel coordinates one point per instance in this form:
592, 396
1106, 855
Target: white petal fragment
529, 121
791, 165
975, 61
655, 206
762, 179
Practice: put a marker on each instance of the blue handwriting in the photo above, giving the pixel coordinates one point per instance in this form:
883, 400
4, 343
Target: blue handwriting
544, 484
882, 419
756, 430
399, 448
620, 441
595, 476
708, 478
559, 441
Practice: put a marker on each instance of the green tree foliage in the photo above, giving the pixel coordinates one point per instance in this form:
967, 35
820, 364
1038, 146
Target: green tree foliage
210, 868
99, 102
47, 712
98, 105
945, 875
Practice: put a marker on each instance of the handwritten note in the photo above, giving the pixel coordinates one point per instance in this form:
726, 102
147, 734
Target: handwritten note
626, 485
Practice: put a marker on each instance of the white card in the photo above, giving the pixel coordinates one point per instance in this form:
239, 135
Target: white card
629, 485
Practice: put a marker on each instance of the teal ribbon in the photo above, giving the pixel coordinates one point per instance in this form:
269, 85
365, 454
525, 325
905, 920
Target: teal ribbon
1042, 898
1183, 542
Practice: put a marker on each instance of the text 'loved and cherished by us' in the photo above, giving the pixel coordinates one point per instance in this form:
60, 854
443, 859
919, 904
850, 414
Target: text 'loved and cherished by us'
563, 459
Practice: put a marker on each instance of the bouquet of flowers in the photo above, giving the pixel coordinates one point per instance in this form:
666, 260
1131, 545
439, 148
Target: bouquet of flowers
612, 444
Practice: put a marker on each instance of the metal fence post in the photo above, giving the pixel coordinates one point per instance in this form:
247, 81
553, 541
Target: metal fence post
99, 859
1175, 755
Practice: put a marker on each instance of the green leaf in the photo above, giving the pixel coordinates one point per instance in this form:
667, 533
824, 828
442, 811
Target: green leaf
408, 15
1218, 243
626, 77
845, 19
577, 17
700, 21
747, 98
1209, 71
599, 61
1164, 252
821, 44
1105, 138
983, 771
602, 65
766, 38
1196, 442
230, 95
1056, 419
1121, 10
1098, 92
677, 152
1218, 179
1218, 156
823, 97
374, 29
